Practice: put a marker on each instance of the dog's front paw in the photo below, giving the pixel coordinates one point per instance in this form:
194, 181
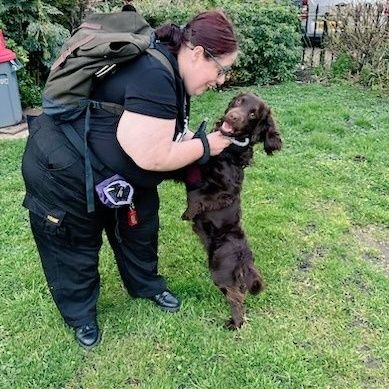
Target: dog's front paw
191, 212
187, 215
233, 325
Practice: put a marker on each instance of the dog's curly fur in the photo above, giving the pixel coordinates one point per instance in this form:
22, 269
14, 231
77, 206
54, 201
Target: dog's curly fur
215, 208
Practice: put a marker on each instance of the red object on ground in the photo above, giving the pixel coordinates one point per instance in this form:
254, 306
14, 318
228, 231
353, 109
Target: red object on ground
6, 55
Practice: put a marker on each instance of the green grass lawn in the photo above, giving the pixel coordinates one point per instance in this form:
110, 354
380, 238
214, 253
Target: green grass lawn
316, 216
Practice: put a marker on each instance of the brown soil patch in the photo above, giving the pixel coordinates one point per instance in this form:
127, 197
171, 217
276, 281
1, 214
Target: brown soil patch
374, 243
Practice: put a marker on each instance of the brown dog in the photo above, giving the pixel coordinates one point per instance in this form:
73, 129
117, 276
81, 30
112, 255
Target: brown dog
215, 207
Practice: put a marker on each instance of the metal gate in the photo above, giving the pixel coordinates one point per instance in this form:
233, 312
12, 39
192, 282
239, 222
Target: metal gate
315, 27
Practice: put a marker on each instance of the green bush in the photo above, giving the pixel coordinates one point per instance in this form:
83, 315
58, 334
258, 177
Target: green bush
376, 75
73, 11
30, 91
33, 27
342, 67
269, 38
268, 33
160, 12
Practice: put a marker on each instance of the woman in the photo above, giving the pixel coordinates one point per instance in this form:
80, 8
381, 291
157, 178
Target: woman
141, 146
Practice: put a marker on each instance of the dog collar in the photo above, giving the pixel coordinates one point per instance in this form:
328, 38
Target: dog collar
237, 142
240, 143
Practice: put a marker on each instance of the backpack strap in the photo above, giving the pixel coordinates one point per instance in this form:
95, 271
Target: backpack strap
152, 50
90, 159
63, 57
118, 109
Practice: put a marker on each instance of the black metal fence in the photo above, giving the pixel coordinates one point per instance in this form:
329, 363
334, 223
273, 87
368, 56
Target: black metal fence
315, 27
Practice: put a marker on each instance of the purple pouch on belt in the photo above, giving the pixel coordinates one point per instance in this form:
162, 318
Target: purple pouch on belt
115, 192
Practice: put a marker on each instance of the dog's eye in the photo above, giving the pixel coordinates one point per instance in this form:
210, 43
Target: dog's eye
252, 115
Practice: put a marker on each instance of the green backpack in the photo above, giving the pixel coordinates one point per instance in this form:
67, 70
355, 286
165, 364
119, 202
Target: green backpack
94, 50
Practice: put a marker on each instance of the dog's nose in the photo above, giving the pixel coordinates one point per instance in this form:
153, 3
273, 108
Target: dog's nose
232, 116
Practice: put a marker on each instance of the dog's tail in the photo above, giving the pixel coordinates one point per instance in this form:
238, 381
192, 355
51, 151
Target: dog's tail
253, 279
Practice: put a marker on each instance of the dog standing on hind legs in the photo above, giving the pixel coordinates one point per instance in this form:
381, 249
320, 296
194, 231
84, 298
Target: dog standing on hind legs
214, 206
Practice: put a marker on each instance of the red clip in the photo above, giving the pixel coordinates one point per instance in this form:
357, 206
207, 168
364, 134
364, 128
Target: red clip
132, 217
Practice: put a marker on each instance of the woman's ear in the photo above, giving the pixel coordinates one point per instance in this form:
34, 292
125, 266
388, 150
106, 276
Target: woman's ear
198, 52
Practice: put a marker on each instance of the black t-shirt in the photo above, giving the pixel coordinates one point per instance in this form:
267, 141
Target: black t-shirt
142, 86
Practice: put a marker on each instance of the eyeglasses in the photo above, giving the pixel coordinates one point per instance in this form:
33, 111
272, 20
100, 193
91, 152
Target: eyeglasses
223, 70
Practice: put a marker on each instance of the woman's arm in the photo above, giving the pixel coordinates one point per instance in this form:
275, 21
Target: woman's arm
148, 141
188, 135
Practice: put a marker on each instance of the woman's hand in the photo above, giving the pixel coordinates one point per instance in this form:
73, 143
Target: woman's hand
217, 142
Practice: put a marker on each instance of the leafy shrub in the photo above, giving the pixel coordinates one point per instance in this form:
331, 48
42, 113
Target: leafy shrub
342, 67
363, 33
32, 26
73, 11
270, 43
268, 33
160, 12
30, 92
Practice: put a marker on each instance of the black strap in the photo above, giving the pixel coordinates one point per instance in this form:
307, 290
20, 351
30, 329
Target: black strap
81, 145
187, 105
90, 192
202, 135
76, 140
114, 108
159, 50
187, 109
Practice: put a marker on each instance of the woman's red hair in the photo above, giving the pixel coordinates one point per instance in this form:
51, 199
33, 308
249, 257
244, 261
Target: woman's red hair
211, 30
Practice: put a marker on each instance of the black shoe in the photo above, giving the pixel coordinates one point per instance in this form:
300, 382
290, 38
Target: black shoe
167, 301
88, 335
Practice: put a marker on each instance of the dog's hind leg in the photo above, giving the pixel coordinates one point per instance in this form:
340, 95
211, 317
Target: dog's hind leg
204, 234
235, 297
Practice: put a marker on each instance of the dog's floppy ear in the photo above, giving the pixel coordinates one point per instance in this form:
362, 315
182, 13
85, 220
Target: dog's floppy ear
266, 131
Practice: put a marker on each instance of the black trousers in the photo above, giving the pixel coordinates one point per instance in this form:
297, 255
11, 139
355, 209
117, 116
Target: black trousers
69, 239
